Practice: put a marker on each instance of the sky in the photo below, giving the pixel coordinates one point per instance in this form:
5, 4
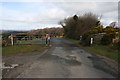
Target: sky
28, 15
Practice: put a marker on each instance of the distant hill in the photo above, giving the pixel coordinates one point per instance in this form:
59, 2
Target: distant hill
54, 31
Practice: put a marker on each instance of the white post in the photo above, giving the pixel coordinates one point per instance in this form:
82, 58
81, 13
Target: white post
12, 40
80, 38
91, 41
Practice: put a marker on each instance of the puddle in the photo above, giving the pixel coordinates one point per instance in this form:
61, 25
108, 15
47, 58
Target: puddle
62, 60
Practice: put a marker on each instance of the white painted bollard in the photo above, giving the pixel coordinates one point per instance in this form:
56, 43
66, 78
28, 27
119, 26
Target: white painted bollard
80, 38
91, 41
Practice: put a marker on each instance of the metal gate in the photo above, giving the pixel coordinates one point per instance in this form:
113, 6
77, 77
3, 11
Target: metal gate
26, 39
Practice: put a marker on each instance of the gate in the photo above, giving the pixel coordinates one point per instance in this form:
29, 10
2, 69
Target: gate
22, 38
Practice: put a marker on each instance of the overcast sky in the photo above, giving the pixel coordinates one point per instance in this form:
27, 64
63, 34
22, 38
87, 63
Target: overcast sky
36, 15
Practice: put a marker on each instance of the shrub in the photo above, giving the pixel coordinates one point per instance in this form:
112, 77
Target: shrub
6, 41
107, 38
116, 46
86, 40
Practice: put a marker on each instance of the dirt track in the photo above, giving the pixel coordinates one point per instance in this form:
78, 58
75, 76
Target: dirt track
54, 63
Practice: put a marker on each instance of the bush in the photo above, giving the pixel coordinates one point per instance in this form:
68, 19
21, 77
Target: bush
6, 41
86, 40
107, 38
76, 25
115, 46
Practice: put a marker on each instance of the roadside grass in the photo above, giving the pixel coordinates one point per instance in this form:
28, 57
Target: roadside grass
103, 50
8, 50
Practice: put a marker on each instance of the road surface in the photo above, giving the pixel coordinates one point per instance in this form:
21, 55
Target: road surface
55, 63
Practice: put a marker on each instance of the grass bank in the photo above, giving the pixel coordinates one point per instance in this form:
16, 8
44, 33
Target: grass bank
103, 50
8, 50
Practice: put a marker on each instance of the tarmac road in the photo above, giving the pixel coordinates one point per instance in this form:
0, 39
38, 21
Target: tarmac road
55, 63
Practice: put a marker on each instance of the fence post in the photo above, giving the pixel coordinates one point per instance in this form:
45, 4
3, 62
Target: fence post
12, 42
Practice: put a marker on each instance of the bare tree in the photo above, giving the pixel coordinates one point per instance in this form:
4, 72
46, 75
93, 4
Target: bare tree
76, 26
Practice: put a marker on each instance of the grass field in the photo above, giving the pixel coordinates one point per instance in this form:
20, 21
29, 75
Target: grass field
8, 50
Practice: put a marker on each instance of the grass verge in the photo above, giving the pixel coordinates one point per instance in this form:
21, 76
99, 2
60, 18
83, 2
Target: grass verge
103, 50
8, 50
